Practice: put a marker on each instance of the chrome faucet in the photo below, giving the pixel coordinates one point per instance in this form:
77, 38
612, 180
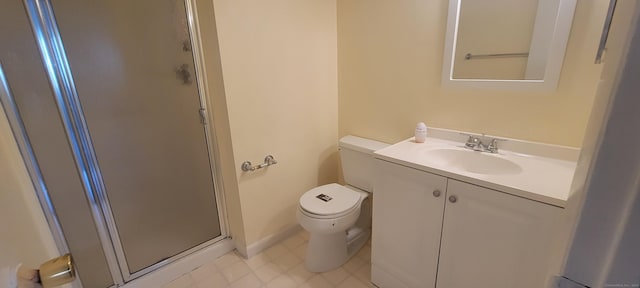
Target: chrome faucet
475, 143
493, 146
472, 142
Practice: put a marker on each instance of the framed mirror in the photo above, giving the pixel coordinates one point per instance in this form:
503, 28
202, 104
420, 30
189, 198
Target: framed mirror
506, 44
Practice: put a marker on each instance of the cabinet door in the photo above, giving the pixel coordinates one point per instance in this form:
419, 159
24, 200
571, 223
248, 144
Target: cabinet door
407, 220
492, 239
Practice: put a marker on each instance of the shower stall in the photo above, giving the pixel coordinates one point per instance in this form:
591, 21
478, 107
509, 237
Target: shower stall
107, 101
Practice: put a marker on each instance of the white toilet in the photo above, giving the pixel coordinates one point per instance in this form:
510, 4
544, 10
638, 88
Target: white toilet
330, 212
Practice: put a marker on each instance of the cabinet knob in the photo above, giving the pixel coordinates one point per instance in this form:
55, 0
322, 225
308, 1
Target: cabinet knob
436, 193
453, 199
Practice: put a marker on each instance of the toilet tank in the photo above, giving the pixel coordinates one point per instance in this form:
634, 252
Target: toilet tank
356, 156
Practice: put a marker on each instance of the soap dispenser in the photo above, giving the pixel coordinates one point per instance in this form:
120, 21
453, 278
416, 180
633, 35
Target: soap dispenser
421, 133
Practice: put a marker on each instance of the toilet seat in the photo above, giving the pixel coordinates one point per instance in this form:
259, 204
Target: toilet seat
329, 201
332, 216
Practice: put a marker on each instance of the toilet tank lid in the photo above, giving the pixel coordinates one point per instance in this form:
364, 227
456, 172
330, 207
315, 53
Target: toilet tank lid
361, 144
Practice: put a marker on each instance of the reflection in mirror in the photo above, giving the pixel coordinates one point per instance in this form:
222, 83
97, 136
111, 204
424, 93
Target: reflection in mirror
505, 42
494, 38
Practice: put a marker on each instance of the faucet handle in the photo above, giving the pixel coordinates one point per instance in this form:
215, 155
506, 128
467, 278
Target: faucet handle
493, 145
472, 141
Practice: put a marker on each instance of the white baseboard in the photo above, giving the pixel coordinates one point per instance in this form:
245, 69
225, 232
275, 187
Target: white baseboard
242, 250
185, 265
266, 242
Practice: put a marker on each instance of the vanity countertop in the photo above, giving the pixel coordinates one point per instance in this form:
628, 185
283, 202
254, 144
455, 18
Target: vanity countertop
545, 177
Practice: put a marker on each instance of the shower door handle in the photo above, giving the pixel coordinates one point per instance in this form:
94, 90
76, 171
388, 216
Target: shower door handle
183, 74
53, 273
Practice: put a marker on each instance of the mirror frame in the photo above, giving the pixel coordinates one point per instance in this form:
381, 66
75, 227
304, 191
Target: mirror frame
558, 45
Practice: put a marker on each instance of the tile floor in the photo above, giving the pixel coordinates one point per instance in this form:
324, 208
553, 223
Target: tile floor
281, 266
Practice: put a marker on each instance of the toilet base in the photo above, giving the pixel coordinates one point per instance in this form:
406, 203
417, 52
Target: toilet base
356, 238
329, 251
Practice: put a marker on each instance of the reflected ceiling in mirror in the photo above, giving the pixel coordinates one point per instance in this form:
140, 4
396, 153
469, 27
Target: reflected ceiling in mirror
506, 43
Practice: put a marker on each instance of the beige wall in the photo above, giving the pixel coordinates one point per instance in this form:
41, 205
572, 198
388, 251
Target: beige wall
279, 66
217, 106
24, 237
390, 60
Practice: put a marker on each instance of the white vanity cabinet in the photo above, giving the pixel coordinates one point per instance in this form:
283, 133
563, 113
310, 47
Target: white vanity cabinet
469, 236
493, 239
407, 217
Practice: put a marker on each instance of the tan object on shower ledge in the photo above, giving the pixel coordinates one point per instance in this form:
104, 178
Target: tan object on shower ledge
28, 278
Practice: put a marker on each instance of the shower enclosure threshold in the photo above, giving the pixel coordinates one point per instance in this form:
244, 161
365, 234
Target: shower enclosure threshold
188, 263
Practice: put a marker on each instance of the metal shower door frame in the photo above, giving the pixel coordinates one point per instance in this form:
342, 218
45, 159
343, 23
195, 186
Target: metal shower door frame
58, 71
54, 58
7, 103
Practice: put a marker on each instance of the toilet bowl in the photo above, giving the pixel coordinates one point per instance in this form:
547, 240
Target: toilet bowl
329, 212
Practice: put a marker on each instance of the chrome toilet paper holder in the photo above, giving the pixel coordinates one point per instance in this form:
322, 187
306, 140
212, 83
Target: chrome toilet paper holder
268, 161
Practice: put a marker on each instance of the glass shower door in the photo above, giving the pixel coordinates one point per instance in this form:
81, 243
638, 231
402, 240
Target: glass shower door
29, 103
134, 73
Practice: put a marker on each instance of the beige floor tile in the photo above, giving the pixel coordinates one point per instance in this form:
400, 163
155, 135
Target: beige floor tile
301, 251
227, 260
352, 282
203, 272
300, 274
365, 253
287, 261
276, 250
215, 280
369, 284
248, 281
364, 273
268, 271
183, 281
236, 271
353, 264
281, 266
317, 282
293, 242
336, 276
282, 281
304, 234
257, 261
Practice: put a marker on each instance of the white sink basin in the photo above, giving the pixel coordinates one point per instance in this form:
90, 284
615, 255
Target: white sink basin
531, 170
472, 161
